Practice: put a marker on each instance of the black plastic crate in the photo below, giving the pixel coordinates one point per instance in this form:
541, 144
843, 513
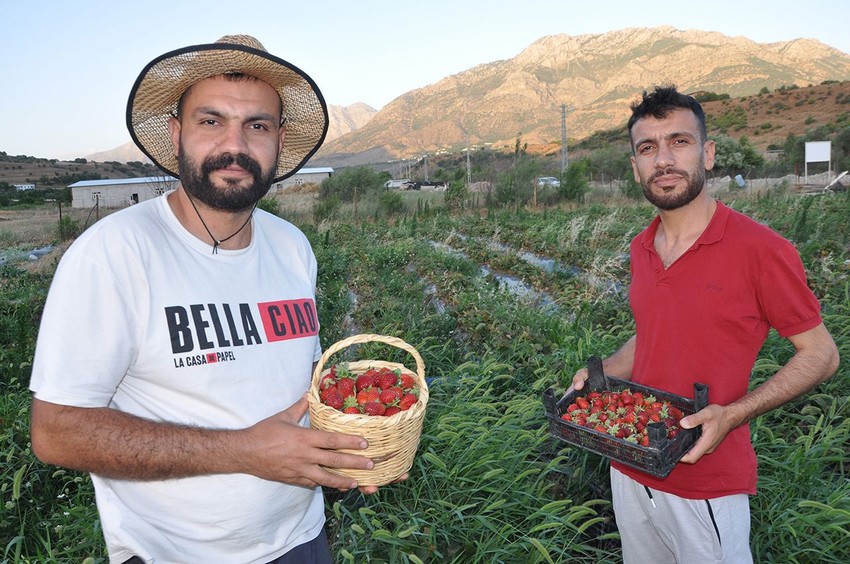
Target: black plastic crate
657, 459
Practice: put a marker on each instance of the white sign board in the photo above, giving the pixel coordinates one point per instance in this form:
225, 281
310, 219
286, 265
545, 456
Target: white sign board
818, 151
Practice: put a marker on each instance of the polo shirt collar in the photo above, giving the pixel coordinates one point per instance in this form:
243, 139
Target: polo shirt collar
713, 233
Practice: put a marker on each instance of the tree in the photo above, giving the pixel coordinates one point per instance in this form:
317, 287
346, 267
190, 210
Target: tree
344, 184
575, 182
734, 157
457, 195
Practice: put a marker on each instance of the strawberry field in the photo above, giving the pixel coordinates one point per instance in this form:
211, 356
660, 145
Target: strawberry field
501, 305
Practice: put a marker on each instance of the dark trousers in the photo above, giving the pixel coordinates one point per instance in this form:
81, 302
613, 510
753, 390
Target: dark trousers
317, 551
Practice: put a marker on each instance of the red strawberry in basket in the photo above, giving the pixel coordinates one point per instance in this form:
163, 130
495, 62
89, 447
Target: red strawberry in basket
368, 395
367, 379
374, 408
327, 380
407, 381
332, 398
391, 396
346, 386
407, 401
387, 379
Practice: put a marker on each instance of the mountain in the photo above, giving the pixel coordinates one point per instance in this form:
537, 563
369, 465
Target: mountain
595, 77
345, 119
341, 120
125, 153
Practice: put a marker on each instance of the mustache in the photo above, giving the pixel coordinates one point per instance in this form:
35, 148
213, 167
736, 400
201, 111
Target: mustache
670, 170
224, 160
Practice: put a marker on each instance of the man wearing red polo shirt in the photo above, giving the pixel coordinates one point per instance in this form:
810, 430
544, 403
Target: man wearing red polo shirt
708, 283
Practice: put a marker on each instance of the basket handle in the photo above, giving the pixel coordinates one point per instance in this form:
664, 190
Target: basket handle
366, 338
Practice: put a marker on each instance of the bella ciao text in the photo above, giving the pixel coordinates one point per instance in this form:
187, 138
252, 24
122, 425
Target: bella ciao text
201, 327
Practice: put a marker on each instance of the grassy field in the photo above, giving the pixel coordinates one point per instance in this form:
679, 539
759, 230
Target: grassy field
501, 305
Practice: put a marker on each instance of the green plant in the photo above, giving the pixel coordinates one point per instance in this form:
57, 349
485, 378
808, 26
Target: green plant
270, 205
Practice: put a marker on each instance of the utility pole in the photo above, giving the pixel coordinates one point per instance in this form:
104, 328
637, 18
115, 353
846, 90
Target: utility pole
565, 163
468, 167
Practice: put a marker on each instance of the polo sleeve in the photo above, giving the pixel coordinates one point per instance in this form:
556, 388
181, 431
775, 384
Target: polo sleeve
789, 304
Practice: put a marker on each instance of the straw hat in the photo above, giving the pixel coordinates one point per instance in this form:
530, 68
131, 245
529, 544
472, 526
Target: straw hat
163, 81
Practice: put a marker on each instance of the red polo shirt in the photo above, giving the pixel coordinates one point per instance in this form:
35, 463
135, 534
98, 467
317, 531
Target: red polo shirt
704, 319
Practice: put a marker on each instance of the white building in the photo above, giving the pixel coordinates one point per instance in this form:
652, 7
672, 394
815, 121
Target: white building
123, 192
304, 176
23, 187
119, 192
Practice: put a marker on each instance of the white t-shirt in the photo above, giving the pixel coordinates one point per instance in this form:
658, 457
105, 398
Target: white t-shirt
144, 318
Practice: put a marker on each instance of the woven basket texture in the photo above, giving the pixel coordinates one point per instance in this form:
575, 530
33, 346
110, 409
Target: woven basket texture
392, 440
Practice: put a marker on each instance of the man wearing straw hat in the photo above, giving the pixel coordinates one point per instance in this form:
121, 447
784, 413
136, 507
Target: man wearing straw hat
178, 337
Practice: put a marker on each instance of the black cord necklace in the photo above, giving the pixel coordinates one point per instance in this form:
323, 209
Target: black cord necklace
217, 242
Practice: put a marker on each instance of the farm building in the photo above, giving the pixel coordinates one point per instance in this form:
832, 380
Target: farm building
119, 192
123, 192
304, 176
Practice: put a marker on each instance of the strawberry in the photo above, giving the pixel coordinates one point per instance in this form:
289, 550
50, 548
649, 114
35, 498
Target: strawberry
374, 408
351, 410
392, 410
368, 395
325, 392
391, 396
327, 380
346, 386
407, 381
407, 401
366, 380
333, 398
386, 379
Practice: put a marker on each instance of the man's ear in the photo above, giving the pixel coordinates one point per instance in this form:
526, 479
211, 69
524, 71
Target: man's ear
635, 169
708, 153
174, 132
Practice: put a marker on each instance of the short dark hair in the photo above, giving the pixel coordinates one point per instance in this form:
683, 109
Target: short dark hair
663, 100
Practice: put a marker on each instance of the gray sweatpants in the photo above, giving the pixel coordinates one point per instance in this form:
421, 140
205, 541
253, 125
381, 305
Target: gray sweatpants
657, 527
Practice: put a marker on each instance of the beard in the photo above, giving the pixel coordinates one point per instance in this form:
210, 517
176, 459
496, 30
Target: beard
667, 202
233, 198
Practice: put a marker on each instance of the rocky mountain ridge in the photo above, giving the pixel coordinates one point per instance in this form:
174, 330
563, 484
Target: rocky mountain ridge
593, 77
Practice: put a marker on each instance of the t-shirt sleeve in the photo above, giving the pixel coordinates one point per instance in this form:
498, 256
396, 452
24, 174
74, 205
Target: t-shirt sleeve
86, 336
790, 305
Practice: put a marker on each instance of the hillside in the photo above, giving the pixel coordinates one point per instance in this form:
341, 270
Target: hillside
766, 119
594, 76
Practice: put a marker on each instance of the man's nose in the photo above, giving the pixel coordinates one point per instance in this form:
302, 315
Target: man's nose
233, 140
664, 157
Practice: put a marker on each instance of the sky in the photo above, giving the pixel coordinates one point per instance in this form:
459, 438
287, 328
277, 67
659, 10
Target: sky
66, 67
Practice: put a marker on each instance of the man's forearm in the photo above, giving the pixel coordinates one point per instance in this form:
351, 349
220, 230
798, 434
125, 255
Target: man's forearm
816, 360
119, 445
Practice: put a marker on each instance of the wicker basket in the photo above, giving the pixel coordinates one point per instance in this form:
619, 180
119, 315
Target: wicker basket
392, 440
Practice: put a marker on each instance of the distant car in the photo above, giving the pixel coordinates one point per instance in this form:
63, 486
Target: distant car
548, 181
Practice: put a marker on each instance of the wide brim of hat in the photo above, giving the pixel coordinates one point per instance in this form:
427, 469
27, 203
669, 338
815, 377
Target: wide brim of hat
157, 90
